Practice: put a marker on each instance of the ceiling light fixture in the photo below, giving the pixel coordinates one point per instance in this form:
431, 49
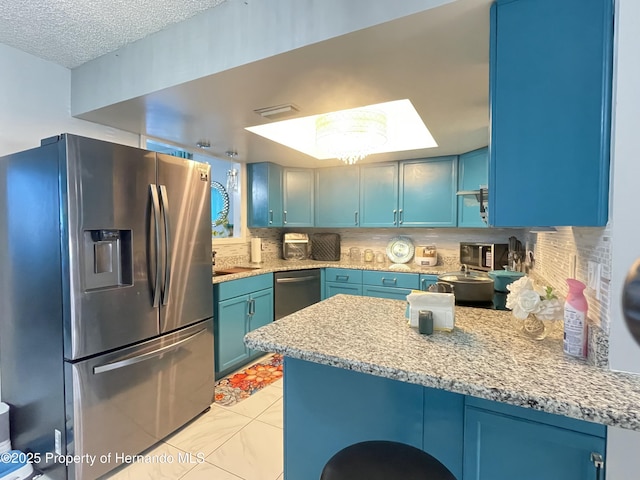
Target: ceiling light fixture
203, 144
351, 135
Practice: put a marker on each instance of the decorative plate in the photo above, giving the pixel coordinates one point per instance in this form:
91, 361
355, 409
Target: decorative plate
400, 249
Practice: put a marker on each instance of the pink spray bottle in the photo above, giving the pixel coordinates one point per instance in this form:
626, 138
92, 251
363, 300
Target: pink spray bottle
575, 320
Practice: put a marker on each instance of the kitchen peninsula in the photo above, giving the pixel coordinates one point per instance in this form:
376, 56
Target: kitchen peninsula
355, 370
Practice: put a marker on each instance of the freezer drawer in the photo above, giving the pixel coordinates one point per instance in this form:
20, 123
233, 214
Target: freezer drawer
125, 401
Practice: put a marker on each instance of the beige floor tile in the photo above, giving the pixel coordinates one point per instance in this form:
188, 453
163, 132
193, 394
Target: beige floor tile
206, 471
281, 477
273, 415
254, 453
277, 383
165, 463
208, 432
256, 403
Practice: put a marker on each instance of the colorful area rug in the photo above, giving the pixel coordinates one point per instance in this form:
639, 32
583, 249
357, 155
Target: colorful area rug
238, 386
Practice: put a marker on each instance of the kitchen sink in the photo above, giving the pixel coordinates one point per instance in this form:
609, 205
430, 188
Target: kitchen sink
230, 270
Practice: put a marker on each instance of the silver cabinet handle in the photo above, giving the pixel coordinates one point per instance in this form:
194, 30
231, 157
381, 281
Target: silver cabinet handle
342, 278
394, 217
270, 216
164, 199
284, 217
401, 219
356, 218
153, 190
598, 462
252, 306
392, 281
145, 356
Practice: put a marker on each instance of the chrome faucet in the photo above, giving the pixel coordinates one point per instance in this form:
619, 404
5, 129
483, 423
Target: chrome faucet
464, 268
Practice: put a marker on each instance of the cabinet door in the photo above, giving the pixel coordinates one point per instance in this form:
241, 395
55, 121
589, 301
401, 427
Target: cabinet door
385, 292
229, 334
550, 96
264, 197
426, 280
501, 447
473, 174
260, 313
297, 184
428, 192
379, 195
337, 196
332, 289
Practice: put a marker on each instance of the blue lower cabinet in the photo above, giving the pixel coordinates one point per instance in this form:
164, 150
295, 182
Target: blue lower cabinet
231, 323
385, 292
328, 408
426, 280
334, 288
505, 447
261, 313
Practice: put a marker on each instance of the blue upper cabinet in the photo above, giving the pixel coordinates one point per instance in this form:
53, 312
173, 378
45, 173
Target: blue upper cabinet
379, 195
337, 196
264, 198
297, 185
473, 174
550, 97
428, 192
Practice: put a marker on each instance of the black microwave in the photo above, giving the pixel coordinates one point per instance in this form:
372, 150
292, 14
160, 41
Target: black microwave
484, 256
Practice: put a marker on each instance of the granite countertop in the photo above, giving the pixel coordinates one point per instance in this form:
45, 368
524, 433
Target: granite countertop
483, 357
284, 265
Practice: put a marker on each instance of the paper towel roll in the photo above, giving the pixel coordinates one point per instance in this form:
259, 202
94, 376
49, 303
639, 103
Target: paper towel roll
256, 250
5, 440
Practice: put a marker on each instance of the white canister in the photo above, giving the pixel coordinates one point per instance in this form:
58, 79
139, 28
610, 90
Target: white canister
5, 439
256, 250
426, 256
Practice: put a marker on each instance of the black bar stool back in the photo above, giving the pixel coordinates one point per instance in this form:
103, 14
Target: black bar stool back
384, 460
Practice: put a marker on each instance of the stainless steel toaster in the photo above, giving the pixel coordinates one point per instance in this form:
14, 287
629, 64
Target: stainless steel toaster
295, 246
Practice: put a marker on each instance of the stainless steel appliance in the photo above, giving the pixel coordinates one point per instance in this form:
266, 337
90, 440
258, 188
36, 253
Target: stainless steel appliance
295, 246
295, 290
106, 340
484, 256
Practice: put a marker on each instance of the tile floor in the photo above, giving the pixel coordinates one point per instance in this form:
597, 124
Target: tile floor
241, 442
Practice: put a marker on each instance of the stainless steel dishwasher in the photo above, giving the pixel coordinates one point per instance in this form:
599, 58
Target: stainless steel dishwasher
295, 290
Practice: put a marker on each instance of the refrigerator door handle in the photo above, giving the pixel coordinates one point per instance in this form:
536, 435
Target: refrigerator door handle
145, 356
153, 190
164, 198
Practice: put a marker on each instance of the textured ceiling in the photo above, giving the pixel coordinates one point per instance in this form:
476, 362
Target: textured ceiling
72, 32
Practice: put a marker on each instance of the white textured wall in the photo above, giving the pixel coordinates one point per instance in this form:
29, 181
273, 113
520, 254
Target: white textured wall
35, 103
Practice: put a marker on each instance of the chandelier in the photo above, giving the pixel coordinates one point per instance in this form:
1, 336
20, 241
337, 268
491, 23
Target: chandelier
351, 135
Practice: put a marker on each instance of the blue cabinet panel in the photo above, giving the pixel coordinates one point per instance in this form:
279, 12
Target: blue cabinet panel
391, 279
337, 200
444, 428
501, 447
426, 280
231, 323
473, 174
327, 409
297, 185
335, 288
385, 292
343, 275
550, 97
261, 313
379, 195
264, 198
243, 286
428, 192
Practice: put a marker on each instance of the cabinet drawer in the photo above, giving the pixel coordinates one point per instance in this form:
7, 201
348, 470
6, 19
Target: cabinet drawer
244, 286
343, 275
385, 292
427, 279
391, 279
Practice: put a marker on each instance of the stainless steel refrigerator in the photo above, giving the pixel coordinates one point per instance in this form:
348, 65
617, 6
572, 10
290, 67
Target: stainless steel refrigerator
106, 329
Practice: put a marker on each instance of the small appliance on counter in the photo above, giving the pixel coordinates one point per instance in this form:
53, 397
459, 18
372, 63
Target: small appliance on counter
426, 256
325, 247
484, 256
295, 246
